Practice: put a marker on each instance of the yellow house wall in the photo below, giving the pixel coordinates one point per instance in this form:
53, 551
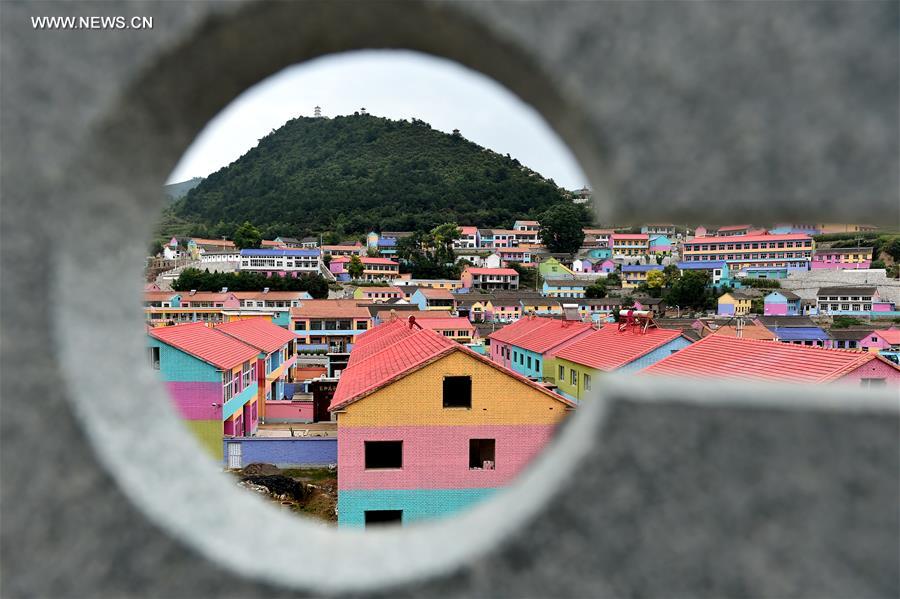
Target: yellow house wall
497, 398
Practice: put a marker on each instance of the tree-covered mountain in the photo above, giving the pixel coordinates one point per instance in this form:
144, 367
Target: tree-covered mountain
176, 191
352, 174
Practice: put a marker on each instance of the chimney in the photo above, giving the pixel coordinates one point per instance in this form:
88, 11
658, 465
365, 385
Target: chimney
265, 290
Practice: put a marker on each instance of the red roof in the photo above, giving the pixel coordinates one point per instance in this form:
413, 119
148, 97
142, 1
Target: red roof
393, 350
519, 328
381, 290
608, 349
746, 238
330, 308
206, 296
258, 332
734, 227
491, 271
639, 236
218, 242
205, 343
552, 335
378, 261
718, 356
270, 295
468, 230
892, 336
159, 296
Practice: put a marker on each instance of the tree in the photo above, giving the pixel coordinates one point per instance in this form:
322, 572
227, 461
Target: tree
528, 277
372, 253
561, 228
326, 260
690, 291
247, 236
613, 280
892, 248
596, 290
355, 267
655, 279
877, 264
671, 274
156, 248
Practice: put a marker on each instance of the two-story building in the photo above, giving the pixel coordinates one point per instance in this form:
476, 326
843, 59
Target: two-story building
843, 300
374, 269
659, 229
279, 303
468, 238
522, 345
427, 427
490, 278
211, 378
635, 274
277, 355
718, 271
378, 295
624, 245
841, 259
430, 298
736, 303
329, 325
285, 262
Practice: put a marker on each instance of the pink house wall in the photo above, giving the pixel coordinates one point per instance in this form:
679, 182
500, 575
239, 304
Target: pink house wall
874, 369
497, 353
195, 401
437, 457
775, 309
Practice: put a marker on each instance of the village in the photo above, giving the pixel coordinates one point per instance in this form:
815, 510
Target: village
412, 398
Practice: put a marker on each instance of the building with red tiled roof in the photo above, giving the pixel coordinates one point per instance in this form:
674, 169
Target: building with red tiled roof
725, 357
456, 328
793, 250
578, 367
277, 347
211, 378
429, 298
427, 427
524, 345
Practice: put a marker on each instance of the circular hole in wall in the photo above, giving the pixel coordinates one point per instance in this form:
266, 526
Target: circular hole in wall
161, 469
339, 247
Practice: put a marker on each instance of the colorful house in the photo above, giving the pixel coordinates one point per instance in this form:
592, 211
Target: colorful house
577, 367
564, 288
635, 274
781, 303
506, 307
848, 300
841, 259
279, 303
748, 359
468, 238
454, 328
629, 244
735, 303
659, 229
162, 299
374, 269
211, 378
428, 298
545, 306
329, 325
490, 278
554, 269
811, 336
427, 427
882, 340
521, 346
478, 307
277, 355
659, 244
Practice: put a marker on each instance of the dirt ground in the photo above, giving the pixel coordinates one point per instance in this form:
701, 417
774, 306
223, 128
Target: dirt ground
319, 495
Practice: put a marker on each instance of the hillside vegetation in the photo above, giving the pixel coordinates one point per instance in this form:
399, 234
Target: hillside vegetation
349, 175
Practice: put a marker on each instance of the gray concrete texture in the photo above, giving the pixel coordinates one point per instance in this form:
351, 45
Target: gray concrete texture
683, 111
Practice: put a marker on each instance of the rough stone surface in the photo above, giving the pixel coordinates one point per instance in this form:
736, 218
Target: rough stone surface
712, 111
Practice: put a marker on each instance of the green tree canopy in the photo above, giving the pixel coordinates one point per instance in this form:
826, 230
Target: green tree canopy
247, 236
355, 267
561, 228
690, 291
596, 290
192, 278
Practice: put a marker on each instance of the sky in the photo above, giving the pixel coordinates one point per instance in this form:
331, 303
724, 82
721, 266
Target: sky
390, 83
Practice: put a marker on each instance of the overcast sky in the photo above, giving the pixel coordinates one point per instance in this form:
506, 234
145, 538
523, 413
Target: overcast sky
390, 83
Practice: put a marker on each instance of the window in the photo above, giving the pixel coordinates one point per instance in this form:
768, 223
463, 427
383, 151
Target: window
457, 392
482, 454
300, 325
873, 382
229, 388
529, 362
574, 377
382, 517
245, 373
381, 455
587, 382
153, 354
562, 373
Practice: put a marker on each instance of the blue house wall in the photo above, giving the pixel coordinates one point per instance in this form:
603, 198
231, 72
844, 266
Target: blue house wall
656, 355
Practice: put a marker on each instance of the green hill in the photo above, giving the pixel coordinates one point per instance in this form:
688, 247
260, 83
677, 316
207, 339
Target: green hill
353, 174
175, 191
